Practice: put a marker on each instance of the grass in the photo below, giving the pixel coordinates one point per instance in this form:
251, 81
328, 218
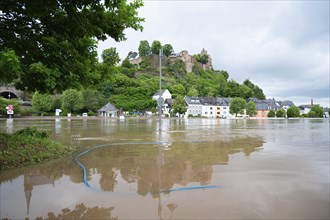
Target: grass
29, 146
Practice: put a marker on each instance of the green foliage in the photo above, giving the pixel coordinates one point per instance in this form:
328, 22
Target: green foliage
127, 64
110, 56
179, 105
144, 48
93, 99
177, 89
177, 67
42, 102
251, 108
293, 112
40, 76
192, 92
271, 114
315, 112
32, 132
5, 102
197, 69
72, 100
63, 37
256, 91
203, 59
167, 50
280, 113
57, 103
155, 47
224, 74
237, 105
28, 146
9, 66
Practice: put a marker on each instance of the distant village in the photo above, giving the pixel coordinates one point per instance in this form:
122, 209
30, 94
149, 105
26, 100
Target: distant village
214, 107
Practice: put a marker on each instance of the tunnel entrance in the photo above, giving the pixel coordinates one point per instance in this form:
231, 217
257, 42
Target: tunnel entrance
8, 95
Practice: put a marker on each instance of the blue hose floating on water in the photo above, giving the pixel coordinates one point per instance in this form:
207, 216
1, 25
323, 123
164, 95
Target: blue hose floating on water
76, 159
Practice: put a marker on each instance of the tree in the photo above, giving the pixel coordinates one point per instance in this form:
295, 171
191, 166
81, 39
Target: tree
179, 105
42, 102
155, 47
237, 105
257, 92
225, 74
167, 50
177, 89
203, 59
271, 114
197, 69
178, 67
293, 111
93, 99
144, 48
192, 92
244, 91
9, 66
317, 112
63, 37
110, 56
251, 108
72, 100
280, 113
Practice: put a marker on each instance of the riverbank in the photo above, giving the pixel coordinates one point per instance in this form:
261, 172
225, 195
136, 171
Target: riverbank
29, 146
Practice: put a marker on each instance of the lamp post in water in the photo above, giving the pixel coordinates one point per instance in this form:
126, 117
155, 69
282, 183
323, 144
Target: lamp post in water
160, 98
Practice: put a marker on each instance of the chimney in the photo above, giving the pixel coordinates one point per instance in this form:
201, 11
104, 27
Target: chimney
311, 102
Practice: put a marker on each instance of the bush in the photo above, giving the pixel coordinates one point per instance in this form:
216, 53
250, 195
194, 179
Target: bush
280, 113
271, 114
32, 132
91, 113
28, 146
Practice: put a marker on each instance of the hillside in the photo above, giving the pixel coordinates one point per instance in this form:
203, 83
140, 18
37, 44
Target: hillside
130, 87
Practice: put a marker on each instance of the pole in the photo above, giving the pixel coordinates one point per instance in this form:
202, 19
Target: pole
160, 103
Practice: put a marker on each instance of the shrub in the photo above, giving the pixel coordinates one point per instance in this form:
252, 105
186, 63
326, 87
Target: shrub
91, 113
271, 114
32, 132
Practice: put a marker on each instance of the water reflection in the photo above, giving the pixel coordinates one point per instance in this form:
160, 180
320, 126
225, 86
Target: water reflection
34, 180
141, 165
82, 212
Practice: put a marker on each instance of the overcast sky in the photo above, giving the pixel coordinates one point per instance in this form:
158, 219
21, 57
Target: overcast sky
282, 46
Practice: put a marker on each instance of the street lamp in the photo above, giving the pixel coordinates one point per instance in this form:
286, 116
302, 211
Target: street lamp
160, 103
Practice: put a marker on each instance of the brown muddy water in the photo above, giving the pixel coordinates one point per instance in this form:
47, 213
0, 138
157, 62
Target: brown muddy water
177, 169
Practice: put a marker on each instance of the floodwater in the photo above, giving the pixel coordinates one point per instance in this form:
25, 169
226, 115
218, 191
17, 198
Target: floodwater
177, 169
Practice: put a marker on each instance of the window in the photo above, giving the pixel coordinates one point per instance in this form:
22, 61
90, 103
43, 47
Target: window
224, 107
211, 108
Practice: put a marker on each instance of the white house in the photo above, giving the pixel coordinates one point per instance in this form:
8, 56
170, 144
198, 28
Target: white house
166, 98
194, 106
223, 108
165, 94
209, 107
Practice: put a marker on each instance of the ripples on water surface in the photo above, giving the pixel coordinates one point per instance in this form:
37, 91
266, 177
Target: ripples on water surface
260, 169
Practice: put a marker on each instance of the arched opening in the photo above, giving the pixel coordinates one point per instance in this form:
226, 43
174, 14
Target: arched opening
8, 95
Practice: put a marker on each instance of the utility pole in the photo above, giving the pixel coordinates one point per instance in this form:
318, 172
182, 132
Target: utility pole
160, 99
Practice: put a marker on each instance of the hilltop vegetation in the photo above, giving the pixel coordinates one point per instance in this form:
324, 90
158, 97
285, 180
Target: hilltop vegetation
130, 87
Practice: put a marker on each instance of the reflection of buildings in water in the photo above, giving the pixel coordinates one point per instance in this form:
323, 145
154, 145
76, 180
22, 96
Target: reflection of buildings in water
9, 125
57, 126
201, 174
163, 134
34, 180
